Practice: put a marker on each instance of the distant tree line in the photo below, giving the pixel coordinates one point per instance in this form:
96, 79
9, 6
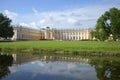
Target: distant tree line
107, 24
6, 30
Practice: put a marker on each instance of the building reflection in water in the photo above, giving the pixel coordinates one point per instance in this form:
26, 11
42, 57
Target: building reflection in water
22, 58
65, 59
19, 59
104, 68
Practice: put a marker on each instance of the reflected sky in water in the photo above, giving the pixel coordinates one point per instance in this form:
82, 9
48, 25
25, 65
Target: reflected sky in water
29, 67
42, 70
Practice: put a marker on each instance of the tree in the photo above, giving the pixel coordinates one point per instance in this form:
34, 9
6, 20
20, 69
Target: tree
93, 34
6, 30
115, 23
107, 24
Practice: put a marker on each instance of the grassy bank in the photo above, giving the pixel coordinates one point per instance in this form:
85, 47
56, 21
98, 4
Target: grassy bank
81, 46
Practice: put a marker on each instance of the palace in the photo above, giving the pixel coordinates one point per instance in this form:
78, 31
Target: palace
72, 34
23, 33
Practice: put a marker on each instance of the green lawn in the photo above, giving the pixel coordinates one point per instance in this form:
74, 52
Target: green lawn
82, 46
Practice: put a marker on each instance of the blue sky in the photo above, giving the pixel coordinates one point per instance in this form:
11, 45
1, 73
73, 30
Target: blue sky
56, 13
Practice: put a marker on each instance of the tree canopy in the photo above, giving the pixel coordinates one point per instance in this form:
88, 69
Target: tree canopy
108, 24
6, 30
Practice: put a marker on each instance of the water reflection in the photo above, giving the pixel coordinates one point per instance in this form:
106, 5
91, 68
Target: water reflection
107, 69
19, 59
44, 67
5, 62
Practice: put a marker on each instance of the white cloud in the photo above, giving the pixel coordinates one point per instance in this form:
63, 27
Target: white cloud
35, 11
72, 18
30, 25
10, 14
72, 21
42, 21
23, 24
33, 25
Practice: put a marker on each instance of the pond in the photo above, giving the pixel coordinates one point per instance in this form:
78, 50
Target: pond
58, 67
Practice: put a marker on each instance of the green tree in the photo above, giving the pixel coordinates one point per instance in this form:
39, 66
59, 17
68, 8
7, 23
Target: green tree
108, 23
6, 30
103, 27
93, 34
115, 22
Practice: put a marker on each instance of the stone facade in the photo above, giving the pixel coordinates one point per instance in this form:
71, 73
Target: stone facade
72, 34
23, 33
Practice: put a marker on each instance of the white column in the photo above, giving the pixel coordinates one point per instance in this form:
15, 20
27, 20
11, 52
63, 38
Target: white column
51, 37
81, 36
66, 36
46, 35
75, 35
72, 35
69, 35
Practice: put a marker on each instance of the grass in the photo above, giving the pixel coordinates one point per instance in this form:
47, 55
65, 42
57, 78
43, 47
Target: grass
81, 46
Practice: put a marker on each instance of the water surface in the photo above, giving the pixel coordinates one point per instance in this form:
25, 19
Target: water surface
37, 67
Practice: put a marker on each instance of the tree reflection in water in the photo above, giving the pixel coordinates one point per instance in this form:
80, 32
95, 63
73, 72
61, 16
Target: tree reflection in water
107, 69
5, 62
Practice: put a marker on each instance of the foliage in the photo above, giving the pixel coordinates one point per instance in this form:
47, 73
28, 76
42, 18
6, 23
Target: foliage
115, 22
93, 34
107, 24
6, 30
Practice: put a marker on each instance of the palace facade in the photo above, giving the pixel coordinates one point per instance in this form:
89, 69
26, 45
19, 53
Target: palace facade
72, 34
23, 33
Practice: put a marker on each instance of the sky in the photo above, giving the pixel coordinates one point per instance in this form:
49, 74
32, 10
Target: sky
52, 70
56, 13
